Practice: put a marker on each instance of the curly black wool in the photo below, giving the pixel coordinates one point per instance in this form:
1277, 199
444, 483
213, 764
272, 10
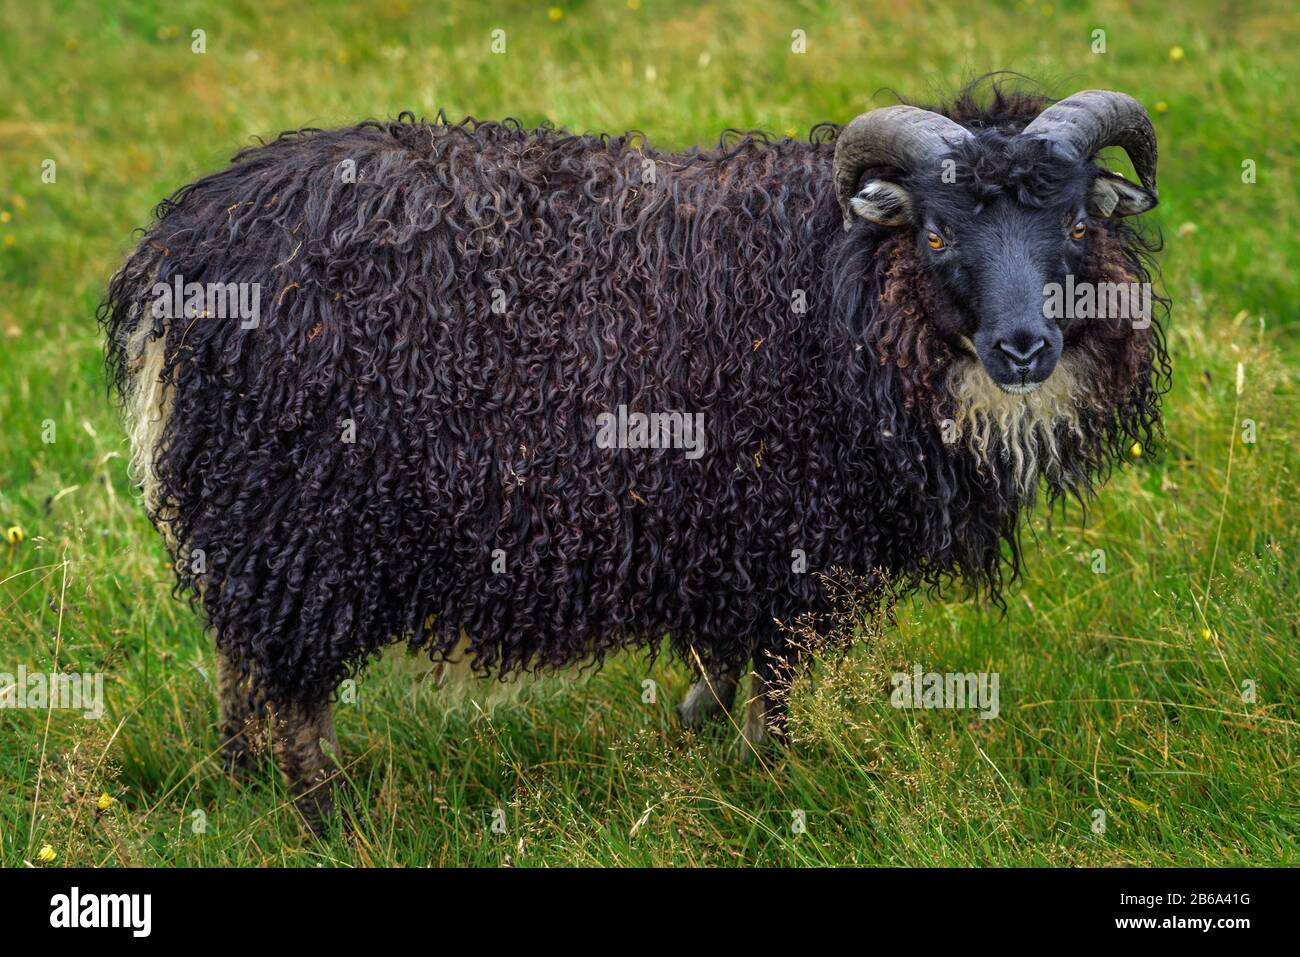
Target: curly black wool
475, 428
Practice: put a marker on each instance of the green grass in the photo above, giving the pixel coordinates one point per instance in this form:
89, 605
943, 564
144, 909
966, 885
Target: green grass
1120, 691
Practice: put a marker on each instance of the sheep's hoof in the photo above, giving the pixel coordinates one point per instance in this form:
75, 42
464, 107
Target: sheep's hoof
237, 763
707, 698
697, 707
765, 727
243, 751
315, 805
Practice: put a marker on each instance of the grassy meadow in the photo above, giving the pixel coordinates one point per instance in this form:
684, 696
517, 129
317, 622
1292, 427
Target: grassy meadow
1147, 661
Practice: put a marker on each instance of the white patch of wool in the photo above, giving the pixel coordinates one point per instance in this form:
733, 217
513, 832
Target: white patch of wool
1018, 432
148, 404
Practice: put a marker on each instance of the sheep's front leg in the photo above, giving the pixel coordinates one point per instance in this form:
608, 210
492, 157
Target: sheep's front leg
767, 710
304, 741
712, 694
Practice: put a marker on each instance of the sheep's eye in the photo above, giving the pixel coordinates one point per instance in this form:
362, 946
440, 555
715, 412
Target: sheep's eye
935, 240
1079, 229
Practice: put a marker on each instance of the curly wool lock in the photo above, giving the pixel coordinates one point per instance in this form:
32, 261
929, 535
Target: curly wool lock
474, 500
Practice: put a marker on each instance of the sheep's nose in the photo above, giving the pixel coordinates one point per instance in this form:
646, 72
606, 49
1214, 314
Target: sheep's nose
1021, 356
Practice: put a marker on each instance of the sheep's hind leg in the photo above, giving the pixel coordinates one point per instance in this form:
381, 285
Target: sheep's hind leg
712, 694
238, 717
304, 743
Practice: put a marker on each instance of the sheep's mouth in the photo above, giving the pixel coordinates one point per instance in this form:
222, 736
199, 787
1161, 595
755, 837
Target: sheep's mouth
1018, 388
968, 353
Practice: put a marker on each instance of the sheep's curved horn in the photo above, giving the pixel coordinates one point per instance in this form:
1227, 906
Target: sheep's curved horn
903, 136
1086, 122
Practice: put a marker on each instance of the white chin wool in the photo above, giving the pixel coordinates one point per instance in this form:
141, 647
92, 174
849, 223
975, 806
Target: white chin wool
1015, 429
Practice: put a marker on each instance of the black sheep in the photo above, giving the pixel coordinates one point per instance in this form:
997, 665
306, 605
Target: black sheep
406, 437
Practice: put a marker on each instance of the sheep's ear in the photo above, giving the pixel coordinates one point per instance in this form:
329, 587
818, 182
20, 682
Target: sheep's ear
1113, 195
883, 203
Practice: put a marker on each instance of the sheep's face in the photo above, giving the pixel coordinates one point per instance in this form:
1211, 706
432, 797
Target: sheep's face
982, 225
997, 232
969, 318
988, 266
